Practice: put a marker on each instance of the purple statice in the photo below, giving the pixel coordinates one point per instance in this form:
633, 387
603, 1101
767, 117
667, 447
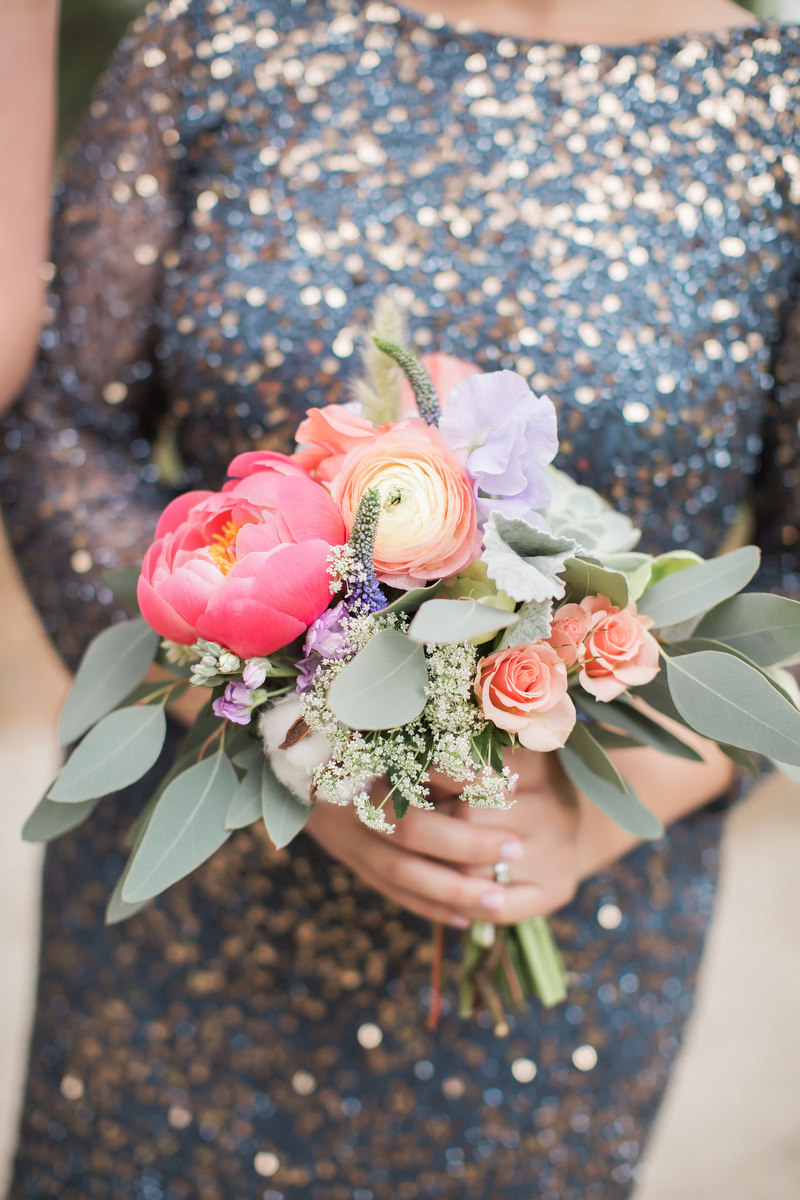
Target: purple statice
509, 436
237, 703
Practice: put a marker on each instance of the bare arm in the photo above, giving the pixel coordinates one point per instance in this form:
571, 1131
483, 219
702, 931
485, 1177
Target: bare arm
27, 118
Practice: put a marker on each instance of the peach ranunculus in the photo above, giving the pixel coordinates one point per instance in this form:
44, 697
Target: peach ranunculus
524, 690
326, 435
246, 567
446, 371
568, 633
428, 525
619, 652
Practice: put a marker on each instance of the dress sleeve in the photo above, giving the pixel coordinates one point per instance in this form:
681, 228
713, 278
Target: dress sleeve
77, 492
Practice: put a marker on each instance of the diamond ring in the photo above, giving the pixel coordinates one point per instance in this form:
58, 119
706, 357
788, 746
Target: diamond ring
502, 872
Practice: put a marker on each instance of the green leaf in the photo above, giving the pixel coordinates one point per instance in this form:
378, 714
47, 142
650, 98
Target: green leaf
446, 622
179, 670
187, 826
284, 815
123, 583
788, 770
636, 724
693, 645
594, 757
673, 560
114, 663
741, 758
245, 806
635, 566
725, 699
49, 819
583, 578
685, 594
533, 624
118, 751
626, 810
384, 686
116, 909
656, 693
763, 627
409, 602
523, 561
609, 739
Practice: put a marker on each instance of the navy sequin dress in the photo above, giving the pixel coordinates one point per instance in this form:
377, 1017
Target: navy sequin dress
620, 226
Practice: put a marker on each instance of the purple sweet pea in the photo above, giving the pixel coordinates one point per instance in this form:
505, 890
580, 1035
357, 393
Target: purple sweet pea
325, 636
253, 675
509, 435
236, 703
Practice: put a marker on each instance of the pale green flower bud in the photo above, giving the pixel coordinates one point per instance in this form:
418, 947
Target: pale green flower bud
228, 663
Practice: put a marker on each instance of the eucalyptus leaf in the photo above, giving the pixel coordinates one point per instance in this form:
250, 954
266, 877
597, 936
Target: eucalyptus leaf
635, 566
725, 699
523, 561
609, 739
763, 627
245, 806
187, 826
118, 751
409, 602
384, 686
685, 594
123, 582
50, 819
584, 578
116, 909
672, 561
284, 815
739, 756
789, 771
656, 693
533, 624
446, 622
113, 665
693, 645
594, 757
625, 809
625, 716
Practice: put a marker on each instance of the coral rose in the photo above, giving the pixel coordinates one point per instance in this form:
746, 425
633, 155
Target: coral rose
428, 524
619, 651
568, 631
524, 689
247, 566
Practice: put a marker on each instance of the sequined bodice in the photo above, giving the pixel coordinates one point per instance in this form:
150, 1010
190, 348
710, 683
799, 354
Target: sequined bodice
620, 226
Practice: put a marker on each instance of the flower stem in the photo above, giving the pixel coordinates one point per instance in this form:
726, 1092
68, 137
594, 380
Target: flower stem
543, 960
437, 969
218, 733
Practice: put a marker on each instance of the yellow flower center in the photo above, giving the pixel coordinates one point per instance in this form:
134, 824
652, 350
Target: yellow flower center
222, 549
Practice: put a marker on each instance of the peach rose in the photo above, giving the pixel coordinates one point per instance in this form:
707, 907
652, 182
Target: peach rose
446, 371
568, 631
325, 437
619, 651
428, 527
524, 689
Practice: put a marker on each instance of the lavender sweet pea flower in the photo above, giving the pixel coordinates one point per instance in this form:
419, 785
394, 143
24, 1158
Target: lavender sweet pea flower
254, 675
325, 636
507, 436
237, 703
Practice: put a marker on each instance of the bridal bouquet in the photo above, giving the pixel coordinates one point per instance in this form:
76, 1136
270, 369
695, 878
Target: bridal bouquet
416, 589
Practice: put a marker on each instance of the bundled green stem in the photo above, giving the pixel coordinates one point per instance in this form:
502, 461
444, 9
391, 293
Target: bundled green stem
421, 382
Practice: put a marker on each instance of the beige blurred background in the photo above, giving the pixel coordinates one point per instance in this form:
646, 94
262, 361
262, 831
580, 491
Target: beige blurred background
730, 1125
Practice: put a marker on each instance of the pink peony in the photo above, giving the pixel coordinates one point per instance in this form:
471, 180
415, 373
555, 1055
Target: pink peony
446, 371
619, 651
524, 689
428, 527
247, 566
568, 631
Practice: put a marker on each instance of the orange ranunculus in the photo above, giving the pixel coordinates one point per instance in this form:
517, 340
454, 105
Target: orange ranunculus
524, 689
325, 437
428, 525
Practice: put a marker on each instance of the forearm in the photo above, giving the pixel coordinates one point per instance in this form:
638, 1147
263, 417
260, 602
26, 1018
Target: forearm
670, 787
27, 118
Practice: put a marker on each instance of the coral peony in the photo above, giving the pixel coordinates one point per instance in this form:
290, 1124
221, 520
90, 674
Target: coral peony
326, 435
428, 524
619, 651
446, 371
524, 689
247, 566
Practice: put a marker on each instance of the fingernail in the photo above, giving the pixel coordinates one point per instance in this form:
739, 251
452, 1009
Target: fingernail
460, 922
493, 900
511, 852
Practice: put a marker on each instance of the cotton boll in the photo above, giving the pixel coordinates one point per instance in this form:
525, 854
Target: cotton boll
295, 766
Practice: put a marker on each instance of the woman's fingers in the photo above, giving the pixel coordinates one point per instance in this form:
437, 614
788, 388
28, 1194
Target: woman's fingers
454, 840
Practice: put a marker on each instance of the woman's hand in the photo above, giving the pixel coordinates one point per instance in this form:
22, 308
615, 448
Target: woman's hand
440, 864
